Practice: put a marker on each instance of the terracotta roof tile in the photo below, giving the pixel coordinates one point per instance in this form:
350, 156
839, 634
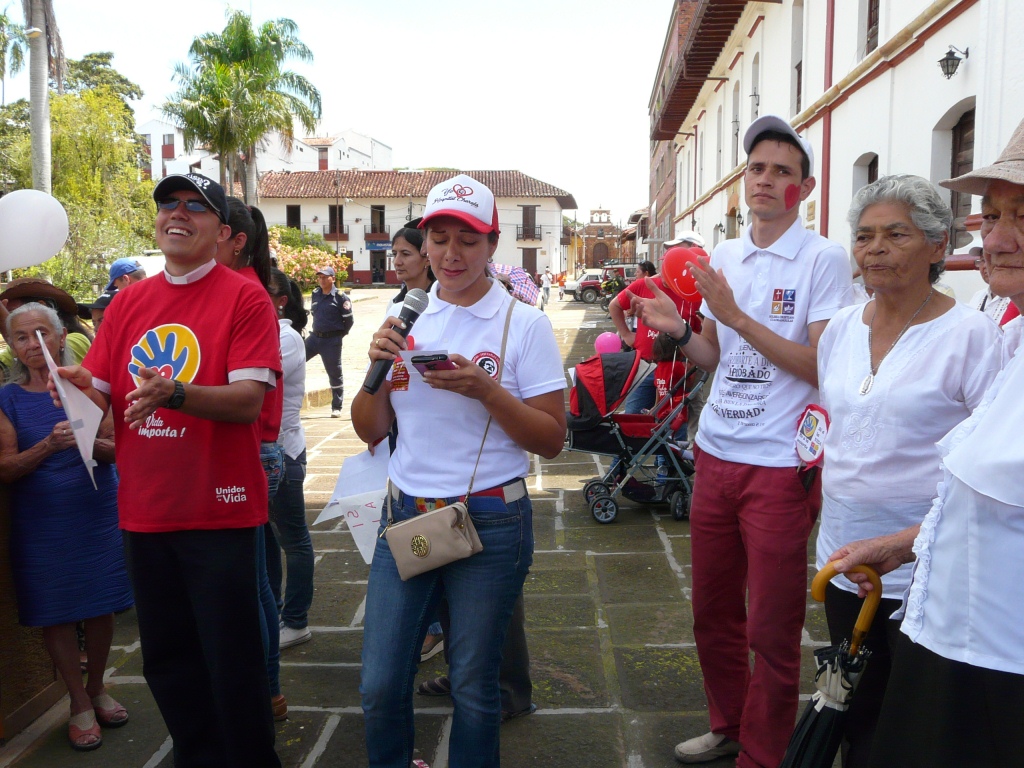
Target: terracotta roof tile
319, 141
384, 184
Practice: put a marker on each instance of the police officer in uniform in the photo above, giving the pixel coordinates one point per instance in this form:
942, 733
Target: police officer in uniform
332, 320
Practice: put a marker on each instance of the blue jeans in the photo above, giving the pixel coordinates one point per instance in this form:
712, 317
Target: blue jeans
271, 455
268, 616
481, 591
643, 396
288, 518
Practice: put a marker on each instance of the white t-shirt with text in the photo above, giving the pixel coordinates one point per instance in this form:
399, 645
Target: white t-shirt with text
753, 407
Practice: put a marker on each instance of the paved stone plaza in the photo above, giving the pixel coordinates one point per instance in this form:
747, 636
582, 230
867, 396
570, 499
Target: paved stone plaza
615, 671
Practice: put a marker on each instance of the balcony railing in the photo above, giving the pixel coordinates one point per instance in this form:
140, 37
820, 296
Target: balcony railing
528, 232
377, 229
330, 234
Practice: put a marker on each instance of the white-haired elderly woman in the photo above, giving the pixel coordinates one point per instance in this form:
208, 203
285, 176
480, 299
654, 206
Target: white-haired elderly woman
66, 552
895, 375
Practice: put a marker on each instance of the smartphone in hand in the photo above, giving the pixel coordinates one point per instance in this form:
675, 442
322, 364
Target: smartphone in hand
432, 362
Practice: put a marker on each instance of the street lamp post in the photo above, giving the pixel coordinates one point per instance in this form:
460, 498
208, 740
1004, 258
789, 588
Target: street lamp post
337, 212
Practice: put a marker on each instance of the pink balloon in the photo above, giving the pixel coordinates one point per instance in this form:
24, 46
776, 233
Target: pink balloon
677, 271
607, 343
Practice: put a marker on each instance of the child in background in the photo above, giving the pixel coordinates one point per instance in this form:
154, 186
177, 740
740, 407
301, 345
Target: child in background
670, 370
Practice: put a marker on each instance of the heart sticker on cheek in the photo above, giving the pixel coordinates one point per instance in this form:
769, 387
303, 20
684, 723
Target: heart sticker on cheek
792, 196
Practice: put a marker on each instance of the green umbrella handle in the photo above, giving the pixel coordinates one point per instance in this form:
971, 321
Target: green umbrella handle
867, 611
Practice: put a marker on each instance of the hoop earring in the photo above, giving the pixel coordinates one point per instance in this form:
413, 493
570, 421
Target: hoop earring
238, 251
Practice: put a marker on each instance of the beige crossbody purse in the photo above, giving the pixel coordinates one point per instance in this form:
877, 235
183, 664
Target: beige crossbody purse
441, 536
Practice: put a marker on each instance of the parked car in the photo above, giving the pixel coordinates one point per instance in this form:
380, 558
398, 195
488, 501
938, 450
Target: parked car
587, 287
572, 285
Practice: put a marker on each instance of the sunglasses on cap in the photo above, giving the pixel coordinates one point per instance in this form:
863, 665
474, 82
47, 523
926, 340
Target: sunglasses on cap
192, 206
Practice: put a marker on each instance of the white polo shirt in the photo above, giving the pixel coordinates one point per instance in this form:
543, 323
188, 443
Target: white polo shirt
439, 432
752, 410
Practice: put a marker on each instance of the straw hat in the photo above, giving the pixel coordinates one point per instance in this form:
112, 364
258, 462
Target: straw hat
37, 288
1009, 167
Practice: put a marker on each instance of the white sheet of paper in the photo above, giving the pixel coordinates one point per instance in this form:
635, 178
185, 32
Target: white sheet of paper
359, 497
85, 416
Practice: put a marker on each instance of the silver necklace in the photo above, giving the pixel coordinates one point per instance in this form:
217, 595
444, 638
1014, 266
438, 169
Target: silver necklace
869, 380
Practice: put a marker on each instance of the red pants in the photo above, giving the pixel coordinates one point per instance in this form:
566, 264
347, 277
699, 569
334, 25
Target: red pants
749, 527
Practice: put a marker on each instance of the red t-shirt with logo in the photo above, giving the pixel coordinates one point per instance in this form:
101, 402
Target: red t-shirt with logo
645, 336
180, 472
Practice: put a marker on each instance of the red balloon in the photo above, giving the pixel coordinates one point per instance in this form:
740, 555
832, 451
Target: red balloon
677, 271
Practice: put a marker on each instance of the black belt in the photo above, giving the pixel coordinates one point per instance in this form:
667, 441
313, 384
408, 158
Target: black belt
328, 334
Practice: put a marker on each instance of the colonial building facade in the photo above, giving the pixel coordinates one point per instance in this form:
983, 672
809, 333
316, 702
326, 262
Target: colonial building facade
360, 211
861, 79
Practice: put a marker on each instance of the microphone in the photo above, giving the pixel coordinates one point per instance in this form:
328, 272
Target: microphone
415, 302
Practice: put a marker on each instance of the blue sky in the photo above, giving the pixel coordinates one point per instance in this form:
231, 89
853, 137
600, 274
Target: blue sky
555, 88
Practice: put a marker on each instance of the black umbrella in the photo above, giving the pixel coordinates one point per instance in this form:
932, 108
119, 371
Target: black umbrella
816, 738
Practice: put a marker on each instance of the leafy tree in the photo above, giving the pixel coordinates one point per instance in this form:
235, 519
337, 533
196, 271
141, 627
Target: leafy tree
95, 70
14, 128
96, 177
300, 254
13, 45
235, 92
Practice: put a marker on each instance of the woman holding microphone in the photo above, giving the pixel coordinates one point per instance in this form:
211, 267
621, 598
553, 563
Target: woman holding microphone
510, 414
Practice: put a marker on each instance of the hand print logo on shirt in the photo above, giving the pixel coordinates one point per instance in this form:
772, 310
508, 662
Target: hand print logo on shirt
172, 349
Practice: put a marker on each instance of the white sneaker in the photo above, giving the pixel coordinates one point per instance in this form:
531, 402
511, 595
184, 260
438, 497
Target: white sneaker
290, 637
336, 413
703, 749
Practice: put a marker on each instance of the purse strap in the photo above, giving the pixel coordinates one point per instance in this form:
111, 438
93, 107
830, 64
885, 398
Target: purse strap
480, 453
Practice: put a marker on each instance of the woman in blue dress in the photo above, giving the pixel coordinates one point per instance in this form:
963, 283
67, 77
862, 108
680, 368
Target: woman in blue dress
66, 552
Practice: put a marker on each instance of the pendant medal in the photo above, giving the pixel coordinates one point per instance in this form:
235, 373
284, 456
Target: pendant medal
865, 386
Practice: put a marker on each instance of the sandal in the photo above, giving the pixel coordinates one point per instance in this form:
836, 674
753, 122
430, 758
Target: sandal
439, 686
109, 713
84, 732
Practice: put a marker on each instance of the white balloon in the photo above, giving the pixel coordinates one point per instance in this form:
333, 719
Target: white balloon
33, 228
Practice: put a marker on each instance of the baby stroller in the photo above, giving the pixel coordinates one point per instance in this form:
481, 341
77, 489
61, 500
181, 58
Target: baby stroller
637, 442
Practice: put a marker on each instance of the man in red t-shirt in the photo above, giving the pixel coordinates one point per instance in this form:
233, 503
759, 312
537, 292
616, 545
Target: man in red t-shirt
642, 339
191, 353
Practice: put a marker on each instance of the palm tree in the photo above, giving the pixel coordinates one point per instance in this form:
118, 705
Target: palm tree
12, 51
46, 59
236, 92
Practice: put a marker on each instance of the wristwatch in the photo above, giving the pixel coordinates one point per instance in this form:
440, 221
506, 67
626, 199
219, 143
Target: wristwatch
683, 340
177, 399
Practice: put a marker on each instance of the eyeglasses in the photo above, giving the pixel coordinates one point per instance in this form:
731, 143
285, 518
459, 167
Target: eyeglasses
192, 206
